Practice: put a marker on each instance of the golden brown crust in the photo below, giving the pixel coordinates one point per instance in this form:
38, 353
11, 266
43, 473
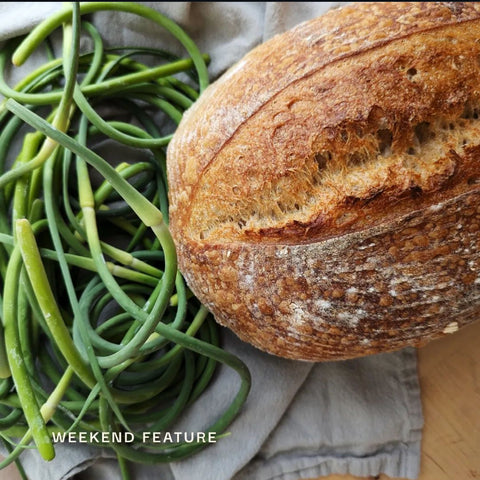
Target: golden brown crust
402, 283
305, 183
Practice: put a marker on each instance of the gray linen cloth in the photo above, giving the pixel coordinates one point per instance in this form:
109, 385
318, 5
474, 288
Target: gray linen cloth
301, 420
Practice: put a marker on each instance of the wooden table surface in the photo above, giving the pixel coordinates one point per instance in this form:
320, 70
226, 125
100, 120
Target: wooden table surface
449, 371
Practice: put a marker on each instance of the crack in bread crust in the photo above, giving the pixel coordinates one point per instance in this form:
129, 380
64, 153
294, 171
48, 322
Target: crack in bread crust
316, 153
323, 193
391, 286
334, 37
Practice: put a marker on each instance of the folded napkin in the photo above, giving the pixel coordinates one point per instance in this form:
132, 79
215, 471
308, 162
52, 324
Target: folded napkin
301, 420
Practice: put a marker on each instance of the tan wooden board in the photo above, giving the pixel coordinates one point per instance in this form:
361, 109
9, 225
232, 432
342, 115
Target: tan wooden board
449, 371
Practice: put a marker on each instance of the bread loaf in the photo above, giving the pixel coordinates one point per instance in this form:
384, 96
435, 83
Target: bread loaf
325, 190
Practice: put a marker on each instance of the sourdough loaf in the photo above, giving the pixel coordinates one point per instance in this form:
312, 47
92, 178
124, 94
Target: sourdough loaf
325, 191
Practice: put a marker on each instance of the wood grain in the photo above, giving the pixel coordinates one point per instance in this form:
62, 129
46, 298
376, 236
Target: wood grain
449, 371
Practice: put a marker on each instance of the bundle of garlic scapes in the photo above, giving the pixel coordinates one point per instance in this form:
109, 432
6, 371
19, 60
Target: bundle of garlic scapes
99, 332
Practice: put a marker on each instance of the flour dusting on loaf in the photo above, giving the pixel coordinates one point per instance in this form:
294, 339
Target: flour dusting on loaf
324, 191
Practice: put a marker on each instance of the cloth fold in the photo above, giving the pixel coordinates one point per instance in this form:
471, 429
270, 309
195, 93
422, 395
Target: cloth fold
301, 420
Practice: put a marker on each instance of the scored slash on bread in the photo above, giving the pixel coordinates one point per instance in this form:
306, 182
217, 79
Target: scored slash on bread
324, 191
